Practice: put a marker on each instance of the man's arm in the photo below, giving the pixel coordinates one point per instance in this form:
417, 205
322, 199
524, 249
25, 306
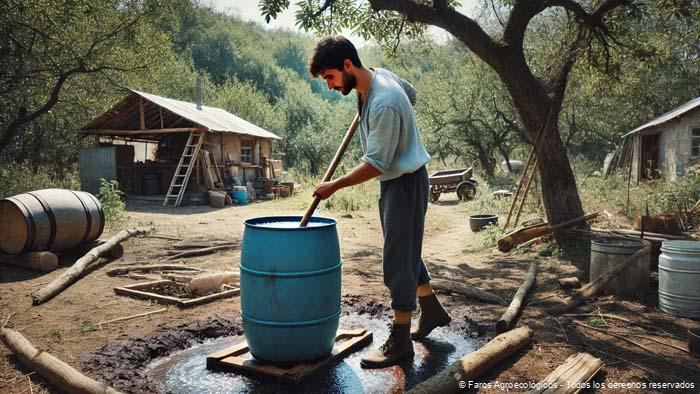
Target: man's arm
359, 174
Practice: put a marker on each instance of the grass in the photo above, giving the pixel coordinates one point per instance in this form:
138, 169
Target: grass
19, 178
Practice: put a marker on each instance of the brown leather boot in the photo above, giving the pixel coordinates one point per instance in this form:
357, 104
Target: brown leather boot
432, 315
397, 348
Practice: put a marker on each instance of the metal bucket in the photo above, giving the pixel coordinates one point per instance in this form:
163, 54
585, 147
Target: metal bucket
679, 278
290, 288
607, 252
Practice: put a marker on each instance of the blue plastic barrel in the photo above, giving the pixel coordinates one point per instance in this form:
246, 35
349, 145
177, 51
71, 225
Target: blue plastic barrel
290, 288
240, 194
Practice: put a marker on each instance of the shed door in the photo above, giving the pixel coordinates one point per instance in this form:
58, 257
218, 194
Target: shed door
650, 156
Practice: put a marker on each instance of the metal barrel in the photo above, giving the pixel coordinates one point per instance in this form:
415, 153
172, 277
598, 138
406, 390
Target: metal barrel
49, 219
607, 252
679, 278
290, 288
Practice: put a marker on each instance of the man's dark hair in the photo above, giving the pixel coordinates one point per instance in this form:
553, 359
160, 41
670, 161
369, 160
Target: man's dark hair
331, 52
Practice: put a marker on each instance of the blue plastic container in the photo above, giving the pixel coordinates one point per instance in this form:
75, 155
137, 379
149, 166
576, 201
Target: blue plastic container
240, 194
290, 288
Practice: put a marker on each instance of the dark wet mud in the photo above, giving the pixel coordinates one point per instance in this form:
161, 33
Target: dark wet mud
174, 360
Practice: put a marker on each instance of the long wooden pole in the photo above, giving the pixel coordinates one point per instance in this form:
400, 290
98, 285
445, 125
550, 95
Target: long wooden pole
60, 374
516, 304
77, 270
331, 169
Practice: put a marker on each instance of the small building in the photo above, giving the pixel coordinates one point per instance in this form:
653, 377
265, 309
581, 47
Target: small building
662, 148
142, 141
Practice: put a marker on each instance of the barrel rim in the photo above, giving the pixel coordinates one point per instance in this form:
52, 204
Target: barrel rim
255, 223
678, 246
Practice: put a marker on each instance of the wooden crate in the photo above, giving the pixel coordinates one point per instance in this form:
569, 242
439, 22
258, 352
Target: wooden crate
233, 359
143, 291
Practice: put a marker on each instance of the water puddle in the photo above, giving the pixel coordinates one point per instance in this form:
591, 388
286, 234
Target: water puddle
185, 371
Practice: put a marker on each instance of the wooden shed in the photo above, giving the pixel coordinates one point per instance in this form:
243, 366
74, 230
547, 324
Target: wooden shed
665, 147
167, 148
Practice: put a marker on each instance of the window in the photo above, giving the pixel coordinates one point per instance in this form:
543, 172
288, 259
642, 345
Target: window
246, 151
695, 142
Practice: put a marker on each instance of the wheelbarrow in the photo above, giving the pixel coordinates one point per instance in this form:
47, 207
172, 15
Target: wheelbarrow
448, 181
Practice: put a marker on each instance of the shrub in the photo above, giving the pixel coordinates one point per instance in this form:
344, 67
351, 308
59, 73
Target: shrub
17, 178
111, 199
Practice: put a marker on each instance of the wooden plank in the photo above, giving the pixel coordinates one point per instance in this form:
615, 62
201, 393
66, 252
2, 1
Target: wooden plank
146, 295
571, 376
142, 118
229, 359
208, 298
142, 131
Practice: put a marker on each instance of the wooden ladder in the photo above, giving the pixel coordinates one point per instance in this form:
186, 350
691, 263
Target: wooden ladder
187, 162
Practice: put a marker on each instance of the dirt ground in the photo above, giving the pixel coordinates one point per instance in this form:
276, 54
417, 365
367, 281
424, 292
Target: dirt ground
648, 348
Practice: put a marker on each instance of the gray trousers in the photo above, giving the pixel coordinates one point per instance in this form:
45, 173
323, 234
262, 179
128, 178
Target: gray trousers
403, 203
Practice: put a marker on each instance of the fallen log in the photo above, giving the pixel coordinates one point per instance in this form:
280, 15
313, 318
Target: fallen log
599, 284
76, 270
463, 373
149, 268
203, 251
213, 282
570, 283
571, 376
516, 237
516, 304
40, 261
465, 290
60, 374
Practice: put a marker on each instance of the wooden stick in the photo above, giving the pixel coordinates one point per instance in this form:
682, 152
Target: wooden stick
598, 284
527, 189
132, 316
201, 244
331, 169
465, 290
516, 304
148, 268
203, 251
60, 374
40, 261
168, 237
475, 364
76, 271
637, 344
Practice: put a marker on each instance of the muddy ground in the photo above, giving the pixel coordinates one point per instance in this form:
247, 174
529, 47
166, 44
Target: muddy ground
67, 325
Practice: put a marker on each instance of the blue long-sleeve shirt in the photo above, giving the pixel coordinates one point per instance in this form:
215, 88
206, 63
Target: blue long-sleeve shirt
389, 133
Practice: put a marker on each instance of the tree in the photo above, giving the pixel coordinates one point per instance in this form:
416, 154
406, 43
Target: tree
537, 97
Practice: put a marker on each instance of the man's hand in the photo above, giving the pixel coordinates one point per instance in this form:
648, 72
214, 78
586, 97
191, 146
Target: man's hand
326, 189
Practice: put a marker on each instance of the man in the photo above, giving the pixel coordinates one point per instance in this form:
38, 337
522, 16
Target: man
394, 153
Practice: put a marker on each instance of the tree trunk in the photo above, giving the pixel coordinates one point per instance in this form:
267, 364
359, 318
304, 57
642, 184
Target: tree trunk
486, 163
535, 106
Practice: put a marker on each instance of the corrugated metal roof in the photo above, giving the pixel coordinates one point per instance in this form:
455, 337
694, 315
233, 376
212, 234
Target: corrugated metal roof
694, 103
215, 119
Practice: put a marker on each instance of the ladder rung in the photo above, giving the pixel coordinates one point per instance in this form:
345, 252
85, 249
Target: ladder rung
180, 175
191, 146
178, 185
187, 155
171, 195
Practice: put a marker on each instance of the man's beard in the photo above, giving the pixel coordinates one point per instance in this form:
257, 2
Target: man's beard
349, 82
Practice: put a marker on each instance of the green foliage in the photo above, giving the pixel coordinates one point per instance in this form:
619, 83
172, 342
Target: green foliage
16, 179
56, 335
357, 198
111, 199
596, 321
87, 327
487, 239
676, 198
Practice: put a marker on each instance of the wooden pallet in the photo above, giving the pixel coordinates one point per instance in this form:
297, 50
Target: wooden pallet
140, 290
233, 359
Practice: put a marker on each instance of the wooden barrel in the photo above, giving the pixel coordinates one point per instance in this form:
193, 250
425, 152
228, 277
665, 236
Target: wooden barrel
50, 219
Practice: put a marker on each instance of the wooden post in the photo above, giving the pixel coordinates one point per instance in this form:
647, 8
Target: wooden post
142, 117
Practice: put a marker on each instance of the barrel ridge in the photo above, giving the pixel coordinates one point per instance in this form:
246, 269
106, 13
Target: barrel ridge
100, 211
88, 216
31, 224
52, 218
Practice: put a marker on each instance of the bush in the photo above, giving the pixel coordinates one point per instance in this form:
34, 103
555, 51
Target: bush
111, 199
17, 178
